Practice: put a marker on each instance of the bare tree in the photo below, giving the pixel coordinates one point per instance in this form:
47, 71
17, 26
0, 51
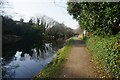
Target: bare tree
3, 4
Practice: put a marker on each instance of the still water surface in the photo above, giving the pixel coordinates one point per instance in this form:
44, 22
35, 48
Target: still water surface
25, 64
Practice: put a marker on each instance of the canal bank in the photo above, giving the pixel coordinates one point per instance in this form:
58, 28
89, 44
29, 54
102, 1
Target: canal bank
52, 69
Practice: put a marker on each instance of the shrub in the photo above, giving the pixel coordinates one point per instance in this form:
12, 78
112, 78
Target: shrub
106, 51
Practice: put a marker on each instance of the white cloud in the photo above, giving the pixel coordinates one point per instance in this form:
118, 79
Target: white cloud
57, 10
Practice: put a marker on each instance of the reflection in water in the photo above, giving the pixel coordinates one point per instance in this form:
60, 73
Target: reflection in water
27, 63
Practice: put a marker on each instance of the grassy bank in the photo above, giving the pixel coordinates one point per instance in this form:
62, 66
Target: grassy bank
106, 55
52, 69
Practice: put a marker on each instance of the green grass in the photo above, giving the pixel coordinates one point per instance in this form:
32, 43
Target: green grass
106, 55
80, 37
53, 68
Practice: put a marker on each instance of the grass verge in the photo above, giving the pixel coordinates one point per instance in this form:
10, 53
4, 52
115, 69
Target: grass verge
106, 55
52, 69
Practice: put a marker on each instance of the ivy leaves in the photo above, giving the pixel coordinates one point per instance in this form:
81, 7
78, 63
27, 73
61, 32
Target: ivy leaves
95, 17
107, 52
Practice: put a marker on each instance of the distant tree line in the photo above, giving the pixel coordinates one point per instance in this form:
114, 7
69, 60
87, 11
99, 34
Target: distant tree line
36, 29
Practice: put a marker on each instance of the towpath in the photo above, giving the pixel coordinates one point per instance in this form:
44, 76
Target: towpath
78, 63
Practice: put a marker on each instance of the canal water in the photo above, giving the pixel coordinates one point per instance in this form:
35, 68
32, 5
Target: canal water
25, 61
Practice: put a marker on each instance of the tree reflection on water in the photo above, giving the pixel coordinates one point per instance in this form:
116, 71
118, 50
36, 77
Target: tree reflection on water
22, 60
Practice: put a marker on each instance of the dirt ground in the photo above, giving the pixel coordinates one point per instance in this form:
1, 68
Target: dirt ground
78, 64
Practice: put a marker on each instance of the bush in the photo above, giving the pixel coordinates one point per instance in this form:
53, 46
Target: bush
106, 52
101, 17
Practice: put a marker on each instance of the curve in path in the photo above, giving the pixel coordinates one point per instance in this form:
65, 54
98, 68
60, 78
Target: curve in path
77, 64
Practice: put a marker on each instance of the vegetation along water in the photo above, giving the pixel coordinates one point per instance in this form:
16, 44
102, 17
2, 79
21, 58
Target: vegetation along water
37, 48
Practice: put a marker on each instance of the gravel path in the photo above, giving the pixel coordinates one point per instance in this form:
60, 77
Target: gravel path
77, 64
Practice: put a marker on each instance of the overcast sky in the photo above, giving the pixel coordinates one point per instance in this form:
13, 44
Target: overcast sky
55, 9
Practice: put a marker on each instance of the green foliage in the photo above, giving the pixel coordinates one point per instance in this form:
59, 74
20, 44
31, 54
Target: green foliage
36, 29
102, 18
23, 30
59, 32
106, 51
52, 69
69, 41
96, 17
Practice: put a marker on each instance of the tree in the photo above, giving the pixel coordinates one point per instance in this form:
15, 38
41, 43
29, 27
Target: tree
60, 32
3, 5
95, 17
